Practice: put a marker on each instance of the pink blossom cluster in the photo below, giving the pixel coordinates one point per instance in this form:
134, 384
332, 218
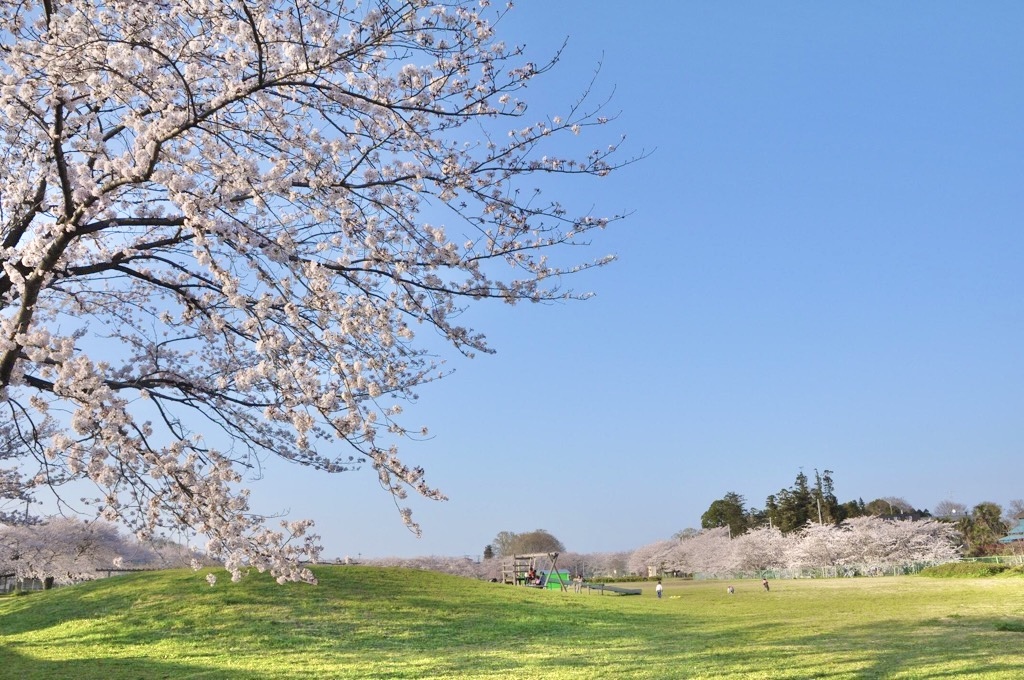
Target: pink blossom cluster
871, 543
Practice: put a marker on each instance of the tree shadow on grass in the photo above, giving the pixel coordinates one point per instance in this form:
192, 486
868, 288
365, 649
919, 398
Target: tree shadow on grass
41, 610
178, 613
15, 665
948, 647
472, 641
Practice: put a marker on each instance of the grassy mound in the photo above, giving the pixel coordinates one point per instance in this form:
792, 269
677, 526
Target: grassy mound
392, 623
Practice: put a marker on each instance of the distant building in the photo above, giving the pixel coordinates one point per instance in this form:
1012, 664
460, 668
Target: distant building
1017, 532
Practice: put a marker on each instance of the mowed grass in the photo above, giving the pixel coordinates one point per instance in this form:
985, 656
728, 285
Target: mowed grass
392, 623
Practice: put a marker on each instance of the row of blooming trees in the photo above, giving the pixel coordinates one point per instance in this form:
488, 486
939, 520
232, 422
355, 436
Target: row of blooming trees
63, 550
223, 225
603, 564
66, 550
861, 544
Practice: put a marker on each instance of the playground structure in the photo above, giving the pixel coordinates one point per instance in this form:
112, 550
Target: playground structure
514, 571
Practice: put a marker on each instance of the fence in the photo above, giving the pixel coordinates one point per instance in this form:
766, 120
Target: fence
10, 583
997, 559
830, 571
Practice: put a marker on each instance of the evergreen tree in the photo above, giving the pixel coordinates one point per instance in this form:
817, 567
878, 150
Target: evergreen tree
827, 505
771, 510
727, 511
983, 529
796, 505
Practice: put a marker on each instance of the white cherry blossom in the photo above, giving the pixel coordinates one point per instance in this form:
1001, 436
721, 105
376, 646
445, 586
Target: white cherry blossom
222, 225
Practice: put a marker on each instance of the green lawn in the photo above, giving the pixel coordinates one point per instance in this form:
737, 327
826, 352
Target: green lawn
390, 623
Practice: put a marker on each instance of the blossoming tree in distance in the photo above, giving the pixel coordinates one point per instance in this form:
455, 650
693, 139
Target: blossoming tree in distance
224, 220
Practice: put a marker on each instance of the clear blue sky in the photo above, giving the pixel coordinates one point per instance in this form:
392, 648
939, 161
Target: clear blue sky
824, 269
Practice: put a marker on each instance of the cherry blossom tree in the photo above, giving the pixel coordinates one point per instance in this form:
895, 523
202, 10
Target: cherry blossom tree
457, 566
710, 551
13, 497
63, 550
874, 543
816, 545
881, 543
14, 494
592, 564
603, 564
661, 555
858, 544
223, 223
759, 549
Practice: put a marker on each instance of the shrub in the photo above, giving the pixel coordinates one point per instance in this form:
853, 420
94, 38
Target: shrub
1017, 570
965, 570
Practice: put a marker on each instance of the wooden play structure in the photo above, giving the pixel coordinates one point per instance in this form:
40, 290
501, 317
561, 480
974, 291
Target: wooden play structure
516, 570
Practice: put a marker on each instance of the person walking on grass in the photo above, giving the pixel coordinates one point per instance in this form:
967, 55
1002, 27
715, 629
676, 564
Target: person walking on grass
658, 589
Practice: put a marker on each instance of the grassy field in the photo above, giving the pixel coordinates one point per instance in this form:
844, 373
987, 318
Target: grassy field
389, 623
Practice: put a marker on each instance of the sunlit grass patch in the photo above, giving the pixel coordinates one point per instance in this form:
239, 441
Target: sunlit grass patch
392, 623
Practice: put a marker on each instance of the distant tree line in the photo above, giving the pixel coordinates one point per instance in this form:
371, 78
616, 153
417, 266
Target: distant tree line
792, 509
509, 543
607, 565
856, 546
64, 550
